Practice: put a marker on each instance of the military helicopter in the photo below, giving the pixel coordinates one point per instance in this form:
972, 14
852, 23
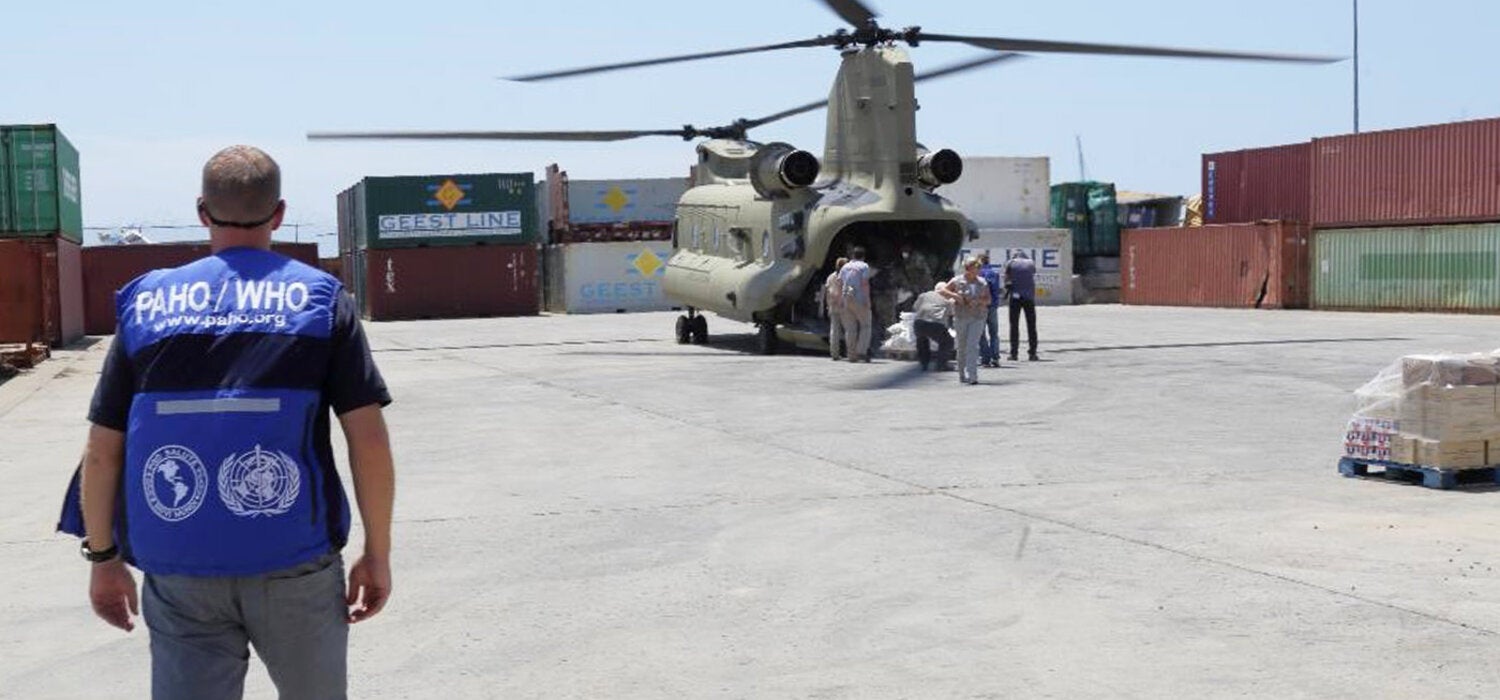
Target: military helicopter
762, 224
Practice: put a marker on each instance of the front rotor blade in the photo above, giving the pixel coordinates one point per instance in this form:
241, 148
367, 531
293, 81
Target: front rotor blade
571, 72
490, 135
929, 75
852, 11
1044, 46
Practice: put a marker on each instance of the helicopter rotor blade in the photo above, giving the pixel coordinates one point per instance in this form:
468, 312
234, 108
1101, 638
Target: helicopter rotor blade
1046, 46
944, 71
604, 68
494, 135
852, 11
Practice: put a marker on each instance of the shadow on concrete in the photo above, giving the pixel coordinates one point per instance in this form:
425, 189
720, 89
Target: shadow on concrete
1228, 344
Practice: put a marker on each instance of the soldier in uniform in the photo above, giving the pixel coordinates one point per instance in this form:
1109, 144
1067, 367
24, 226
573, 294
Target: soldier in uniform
209, 465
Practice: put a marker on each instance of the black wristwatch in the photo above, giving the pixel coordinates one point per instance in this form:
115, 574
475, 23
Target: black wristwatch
98, 557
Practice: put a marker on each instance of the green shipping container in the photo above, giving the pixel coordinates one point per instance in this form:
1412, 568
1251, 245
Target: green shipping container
1408, 268
1088, 209
39, 183
439, 210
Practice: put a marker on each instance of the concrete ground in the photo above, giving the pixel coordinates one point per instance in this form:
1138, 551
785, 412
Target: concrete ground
589, 510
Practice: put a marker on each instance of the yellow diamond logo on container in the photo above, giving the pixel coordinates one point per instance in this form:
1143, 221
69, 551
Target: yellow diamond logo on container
647, 263
616, 199
449, 195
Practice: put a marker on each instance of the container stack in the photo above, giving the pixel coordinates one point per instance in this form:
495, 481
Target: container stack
1090, 211
441, 246
609, 242
41, 231
1407, 219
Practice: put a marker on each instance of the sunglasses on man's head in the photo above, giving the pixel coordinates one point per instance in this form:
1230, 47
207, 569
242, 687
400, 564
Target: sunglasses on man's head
237, 224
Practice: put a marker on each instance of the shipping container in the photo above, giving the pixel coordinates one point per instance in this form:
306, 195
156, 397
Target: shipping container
1259, 265
1274, 182
449, 282
1050, 248
108, 268
585, 278
1000, 192
438, 210
1088, 209
1412, 268
1446, 173
602, 211
40, 192
41, 291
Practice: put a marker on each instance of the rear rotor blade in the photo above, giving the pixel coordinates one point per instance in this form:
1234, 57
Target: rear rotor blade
571, 72
1044, 46
493, 135
852, 11
935, 73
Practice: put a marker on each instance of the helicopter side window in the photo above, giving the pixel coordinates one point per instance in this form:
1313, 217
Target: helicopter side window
676, 223
765, 246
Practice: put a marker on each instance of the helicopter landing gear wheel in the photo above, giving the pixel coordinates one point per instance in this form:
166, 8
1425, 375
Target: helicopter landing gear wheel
766, 342
698, 325
684, 330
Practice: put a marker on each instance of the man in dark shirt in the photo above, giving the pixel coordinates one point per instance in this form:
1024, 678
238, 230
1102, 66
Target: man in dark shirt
1020, 288
989, 345
209, 465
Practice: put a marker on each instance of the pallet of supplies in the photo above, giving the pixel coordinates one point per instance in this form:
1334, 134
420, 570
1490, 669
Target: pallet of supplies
1437, 411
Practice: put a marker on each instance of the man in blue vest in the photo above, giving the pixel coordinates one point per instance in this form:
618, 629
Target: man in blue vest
209, 465
989, 345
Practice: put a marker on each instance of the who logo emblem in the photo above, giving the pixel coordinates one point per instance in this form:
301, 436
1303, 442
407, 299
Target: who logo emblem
259, 482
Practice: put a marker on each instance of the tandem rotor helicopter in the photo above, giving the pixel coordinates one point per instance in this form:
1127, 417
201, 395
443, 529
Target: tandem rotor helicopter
762, 223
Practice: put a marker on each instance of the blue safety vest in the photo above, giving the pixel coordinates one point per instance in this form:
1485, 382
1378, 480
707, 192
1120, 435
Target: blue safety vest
224, 474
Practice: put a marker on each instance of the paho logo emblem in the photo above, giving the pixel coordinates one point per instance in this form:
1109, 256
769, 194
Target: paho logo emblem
174, 482
449, 194
259, 482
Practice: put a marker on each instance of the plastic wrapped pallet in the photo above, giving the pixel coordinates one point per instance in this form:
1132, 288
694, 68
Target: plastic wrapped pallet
1435, 410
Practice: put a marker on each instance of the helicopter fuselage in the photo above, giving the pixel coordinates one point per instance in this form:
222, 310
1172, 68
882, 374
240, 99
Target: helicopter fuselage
755, 251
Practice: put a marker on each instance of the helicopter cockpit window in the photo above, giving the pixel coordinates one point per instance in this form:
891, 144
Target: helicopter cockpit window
676, 223
765, 246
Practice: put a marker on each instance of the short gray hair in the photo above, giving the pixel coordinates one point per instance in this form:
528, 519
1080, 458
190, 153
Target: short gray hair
241, 184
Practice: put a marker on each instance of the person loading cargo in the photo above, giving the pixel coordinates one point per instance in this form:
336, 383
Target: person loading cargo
833, 302
1019, 277
209, 465
931, 314
855, 276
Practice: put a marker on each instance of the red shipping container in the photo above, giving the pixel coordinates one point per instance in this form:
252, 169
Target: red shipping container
108, 268
1258, 183
451, 282
41, 291
1255, 265
1440, 174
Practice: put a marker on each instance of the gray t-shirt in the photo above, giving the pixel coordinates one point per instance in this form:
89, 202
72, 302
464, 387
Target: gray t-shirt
856, 277
931, 306
974, 301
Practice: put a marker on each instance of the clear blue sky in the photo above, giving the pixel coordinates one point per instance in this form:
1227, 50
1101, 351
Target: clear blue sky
147, 91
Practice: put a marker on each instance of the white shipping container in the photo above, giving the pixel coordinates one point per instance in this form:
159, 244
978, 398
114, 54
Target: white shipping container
1002, 192
1050, 248
616, 201
588, 278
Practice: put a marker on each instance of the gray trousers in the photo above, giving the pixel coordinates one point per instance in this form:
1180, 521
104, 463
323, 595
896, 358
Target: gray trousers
969, 329
201, 626
835, 331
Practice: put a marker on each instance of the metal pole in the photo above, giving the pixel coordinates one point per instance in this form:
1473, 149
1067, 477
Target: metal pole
1356, 66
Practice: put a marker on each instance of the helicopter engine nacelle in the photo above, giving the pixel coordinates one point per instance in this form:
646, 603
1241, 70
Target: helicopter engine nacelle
778, 168
940, 167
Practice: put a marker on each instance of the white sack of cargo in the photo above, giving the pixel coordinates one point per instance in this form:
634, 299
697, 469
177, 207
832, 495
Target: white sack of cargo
608, 277
1436, 411
1001, 192
1050, 248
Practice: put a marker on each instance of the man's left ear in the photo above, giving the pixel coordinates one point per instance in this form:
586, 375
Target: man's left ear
280, 214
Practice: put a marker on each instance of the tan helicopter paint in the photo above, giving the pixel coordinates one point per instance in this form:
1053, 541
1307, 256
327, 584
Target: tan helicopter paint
749, 257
